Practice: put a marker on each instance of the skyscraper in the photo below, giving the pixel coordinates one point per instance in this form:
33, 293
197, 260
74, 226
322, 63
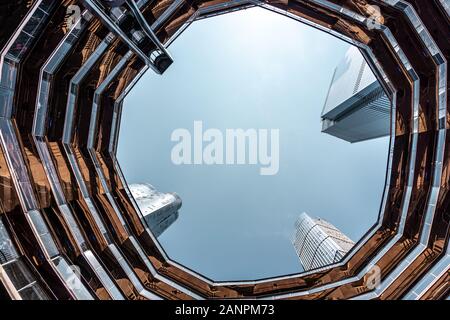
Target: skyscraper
318, 243
159, 209
356, 108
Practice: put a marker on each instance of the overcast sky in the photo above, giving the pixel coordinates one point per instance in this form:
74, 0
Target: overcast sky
250, 69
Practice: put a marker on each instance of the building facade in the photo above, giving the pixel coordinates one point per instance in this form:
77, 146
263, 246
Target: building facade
318, 243
356, 107
159, 209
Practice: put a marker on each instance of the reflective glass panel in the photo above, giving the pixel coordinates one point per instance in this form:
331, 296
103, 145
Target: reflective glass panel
261, 152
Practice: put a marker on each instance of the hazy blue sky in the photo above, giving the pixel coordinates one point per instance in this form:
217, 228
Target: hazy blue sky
250, 69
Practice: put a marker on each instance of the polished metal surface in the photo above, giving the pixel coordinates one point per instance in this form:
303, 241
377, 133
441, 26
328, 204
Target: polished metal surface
64, 200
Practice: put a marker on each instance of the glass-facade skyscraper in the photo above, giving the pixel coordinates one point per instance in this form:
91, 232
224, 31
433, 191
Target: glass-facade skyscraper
159, 209
318, 243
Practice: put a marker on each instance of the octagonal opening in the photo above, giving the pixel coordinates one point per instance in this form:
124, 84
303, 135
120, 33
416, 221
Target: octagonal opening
307, 181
